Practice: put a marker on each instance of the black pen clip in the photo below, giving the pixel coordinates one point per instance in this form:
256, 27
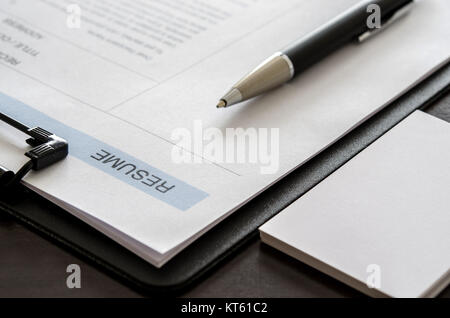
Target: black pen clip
400, 13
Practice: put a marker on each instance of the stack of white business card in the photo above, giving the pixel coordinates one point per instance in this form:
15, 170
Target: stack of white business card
381, 222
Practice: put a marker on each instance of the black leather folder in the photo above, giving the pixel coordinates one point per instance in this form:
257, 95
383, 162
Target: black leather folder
226, 238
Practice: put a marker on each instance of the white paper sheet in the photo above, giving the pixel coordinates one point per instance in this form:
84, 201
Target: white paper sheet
129, 90
382, 219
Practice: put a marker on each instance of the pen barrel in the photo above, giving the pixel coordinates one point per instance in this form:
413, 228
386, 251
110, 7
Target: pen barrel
338, 32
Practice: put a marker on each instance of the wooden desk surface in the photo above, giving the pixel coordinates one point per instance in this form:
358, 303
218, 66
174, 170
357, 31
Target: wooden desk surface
31, 266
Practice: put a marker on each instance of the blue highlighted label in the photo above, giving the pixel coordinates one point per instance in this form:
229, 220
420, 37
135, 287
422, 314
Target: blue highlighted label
110, 160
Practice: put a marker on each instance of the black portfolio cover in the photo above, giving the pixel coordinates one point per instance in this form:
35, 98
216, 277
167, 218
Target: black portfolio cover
227, 237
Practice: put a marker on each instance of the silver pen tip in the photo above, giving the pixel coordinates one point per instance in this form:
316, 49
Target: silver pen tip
233, 97
222, 104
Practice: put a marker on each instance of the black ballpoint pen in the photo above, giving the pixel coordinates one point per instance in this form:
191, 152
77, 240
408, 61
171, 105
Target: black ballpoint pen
283, 66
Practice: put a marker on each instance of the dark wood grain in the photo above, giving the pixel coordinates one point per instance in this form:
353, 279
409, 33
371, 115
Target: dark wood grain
31, 266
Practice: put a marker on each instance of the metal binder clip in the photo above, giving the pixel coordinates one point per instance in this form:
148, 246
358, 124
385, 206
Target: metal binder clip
47, 150
400, 13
